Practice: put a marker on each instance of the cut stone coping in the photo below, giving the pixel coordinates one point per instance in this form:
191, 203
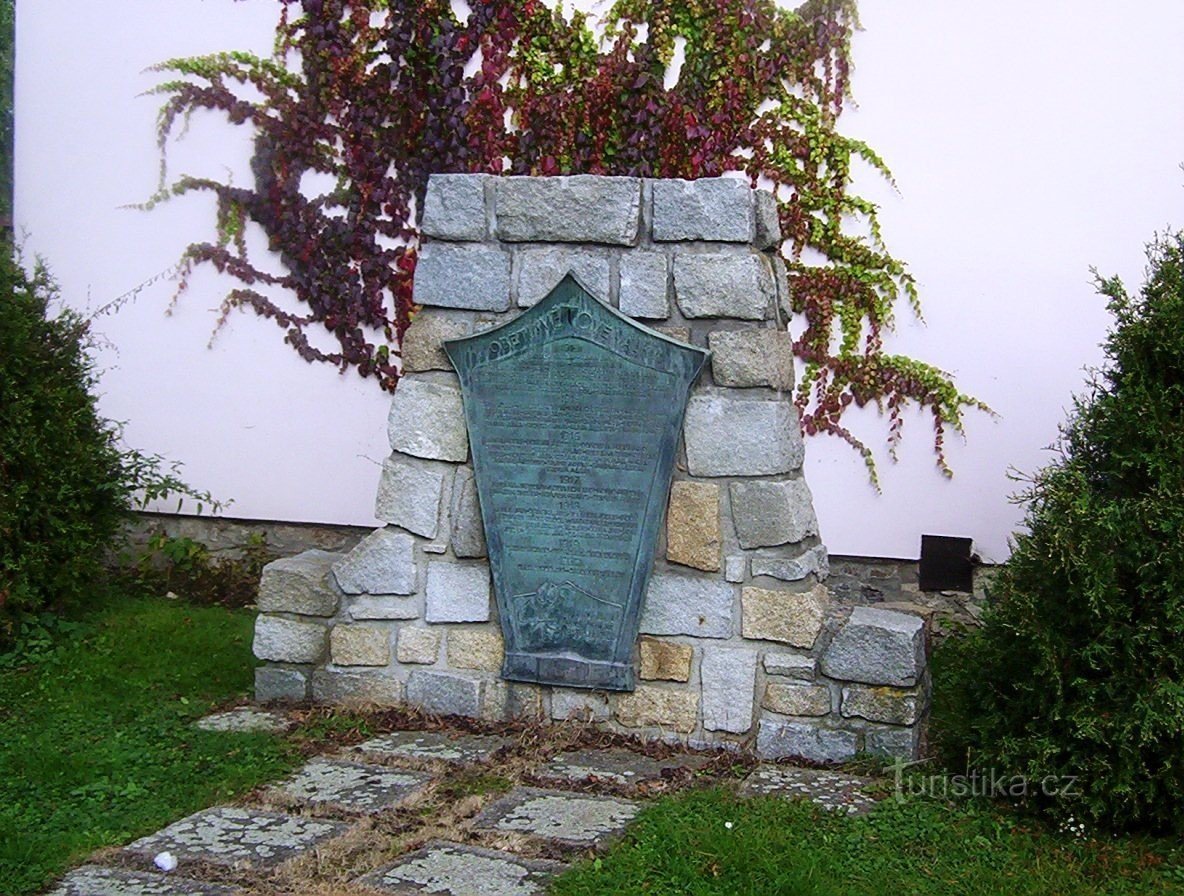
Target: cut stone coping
833, 791
229, 835
618, 766
435, 745
352, 786
244, 718
451, 869
95, 880
573, 819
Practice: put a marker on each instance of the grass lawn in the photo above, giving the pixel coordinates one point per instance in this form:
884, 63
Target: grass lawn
96, 745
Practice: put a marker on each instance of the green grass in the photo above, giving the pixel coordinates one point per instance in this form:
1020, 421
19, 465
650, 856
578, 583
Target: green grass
96, 741
683, 846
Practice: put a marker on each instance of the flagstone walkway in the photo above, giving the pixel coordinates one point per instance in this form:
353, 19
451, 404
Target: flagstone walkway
412, 813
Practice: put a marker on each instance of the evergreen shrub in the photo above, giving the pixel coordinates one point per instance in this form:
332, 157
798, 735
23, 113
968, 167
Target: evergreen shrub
1078, 670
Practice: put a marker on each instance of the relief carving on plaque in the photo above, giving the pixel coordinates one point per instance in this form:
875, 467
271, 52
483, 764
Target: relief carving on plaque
574, 412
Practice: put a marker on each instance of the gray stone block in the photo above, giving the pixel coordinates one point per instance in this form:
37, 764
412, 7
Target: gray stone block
457, 592
299, 584
728, 436
541, 269
781, 285
383, 606
886, 740
804, 740
463, 275
729, 683
877, 647
793, 569
584, 706
454, 207
735, 568
577, 209
791, 665
468, 531
752, 358
289, 641
645, 285
445, 693
423, 341
381, 563
410, 493
769, 513
768, 222
719, 209
688, 605
428, 420
726, 284
274, 684
331, 685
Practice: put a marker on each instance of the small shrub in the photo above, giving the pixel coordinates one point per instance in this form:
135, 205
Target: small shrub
1079, 669
191, 570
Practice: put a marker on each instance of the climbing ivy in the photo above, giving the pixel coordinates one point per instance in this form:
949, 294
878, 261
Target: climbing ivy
376, 95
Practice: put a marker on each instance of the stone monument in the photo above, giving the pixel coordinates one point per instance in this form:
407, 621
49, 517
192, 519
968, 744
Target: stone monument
740, 641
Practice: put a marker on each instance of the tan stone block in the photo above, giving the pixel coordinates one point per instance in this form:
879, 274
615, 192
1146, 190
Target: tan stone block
417, 645
423, 343
653, 707
783, 616
664, 660
896, 706
476, 649
692, 525
359, 645
797, 699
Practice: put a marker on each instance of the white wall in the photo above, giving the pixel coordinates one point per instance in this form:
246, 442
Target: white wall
1029, 141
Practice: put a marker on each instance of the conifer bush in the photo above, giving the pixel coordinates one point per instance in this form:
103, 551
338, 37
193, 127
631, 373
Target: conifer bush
1079, 669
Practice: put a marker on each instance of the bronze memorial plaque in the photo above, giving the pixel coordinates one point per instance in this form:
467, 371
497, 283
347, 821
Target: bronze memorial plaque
574, 414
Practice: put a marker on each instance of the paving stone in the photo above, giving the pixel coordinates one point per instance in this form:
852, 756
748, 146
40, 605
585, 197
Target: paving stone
752, 358
805, 739
664, 660
877, 647
423, 341
288, 641
244, 718
793, 569
381, 563
427, 419
726, 284
383, 606
454, 207
418, 645
830, 790
94, 880
468, 530
410, 492
230, 835
541, 269
791, 665
457, 592
688, 605
299, 584
711, 208
450, 869
476, 649
577, 705
574, 819
614, 765
279, 685
438, 745
729, 682
728, 436
353, 686
463, 275
359, 645
692, 525
645, 285
784, 616
355, 787
445, 693
772, 513
797, 699
574, 209
896, 706
655, 707
768, 221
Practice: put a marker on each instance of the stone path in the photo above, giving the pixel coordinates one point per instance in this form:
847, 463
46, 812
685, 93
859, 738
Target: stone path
371, 800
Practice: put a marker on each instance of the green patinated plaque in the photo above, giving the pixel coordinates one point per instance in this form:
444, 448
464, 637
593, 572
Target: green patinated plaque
574, 413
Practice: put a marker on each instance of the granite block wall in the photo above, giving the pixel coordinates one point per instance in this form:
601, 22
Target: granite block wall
741, 641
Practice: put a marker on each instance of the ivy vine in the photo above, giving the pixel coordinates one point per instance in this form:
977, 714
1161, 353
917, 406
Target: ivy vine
376, 95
